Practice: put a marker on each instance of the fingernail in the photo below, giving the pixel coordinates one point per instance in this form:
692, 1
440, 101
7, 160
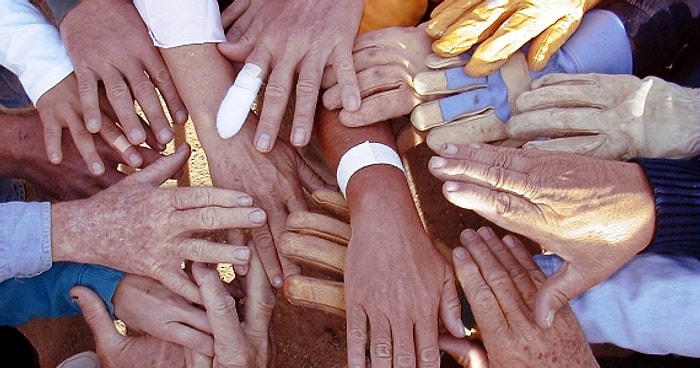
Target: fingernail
486, 233
449, 149
181, 117
165, 135
299, 137
75, 297
352, 103
469, 234
55, 158
241, 254
98, 168
244, 201
93, 125
263, 143
257, 217
509, 241
135, 159
437, 162
137, 136
277, 282
467, 331
451, 186
460, 253
550, 317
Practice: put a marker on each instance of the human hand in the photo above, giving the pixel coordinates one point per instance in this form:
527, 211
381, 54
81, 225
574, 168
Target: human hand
60, 108
301, 52
108, 42
502, 28
139, 228
608, 116
386, 60
595, 214
116, 350
397, 285
275, 181
148, 307
500, 280
69, 180
238, 343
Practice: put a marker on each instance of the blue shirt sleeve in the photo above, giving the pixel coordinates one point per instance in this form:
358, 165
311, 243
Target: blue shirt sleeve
47, 295
25, 239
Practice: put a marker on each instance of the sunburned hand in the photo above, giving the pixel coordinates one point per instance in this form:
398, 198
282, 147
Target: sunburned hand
500, 281
109, 44
274, 180
60, 108
139, 228
71, 179
148, 307
320, 33
595, 214
386, 61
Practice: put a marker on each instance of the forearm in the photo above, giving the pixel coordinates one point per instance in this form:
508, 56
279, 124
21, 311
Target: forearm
47, 295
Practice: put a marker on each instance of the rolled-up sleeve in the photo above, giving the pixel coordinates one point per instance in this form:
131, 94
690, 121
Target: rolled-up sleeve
25, 239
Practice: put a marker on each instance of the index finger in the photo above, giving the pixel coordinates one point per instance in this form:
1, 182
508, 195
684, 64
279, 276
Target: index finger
89, 98
347, 77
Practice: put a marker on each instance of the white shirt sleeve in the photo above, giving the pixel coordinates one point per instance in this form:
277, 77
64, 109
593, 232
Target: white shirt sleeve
183, 22
31, 48
650, 305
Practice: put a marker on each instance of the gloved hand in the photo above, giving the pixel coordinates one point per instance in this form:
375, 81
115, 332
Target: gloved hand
503, 27
609, 116
477, 105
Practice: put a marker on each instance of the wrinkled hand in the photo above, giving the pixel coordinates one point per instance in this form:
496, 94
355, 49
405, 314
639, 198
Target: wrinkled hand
321, 33
138, 228
146, 306
609, 116
275, 181
69, 180
595, 214
386, 61
500, 281
108, 43
502, 28
60, 108
237, 344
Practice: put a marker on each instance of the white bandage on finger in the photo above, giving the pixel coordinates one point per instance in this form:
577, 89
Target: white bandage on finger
183, 22
121, 143
363, 155
239, 98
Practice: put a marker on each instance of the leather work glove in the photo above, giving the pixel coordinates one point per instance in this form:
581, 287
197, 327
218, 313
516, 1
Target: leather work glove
318, 242
609, 116
476, 107
503, 27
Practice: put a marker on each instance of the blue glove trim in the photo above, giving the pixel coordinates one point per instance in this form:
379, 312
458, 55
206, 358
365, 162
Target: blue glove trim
492, 93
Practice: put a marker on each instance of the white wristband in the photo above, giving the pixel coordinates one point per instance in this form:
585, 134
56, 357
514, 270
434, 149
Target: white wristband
363, 155
239, 98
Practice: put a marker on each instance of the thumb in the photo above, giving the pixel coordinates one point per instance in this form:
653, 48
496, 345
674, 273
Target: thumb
451, 310
556, 292
96, 315
164, 168
465, 352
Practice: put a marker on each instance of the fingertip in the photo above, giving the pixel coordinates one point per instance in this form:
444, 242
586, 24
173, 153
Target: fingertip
93, 125
55, 158
450, 186
263, 143
351, 101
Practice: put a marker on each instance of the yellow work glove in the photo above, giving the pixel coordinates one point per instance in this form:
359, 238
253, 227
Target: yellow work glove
503, 27
609, 116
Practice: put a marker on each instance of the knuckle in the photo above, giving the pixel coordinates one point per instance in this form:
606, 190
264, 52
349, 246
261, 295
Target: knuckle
382, 350
356, 336
161, 75
118, 90
207, 218
495, 175
307, 86
143, 87
429, 356
503, 203
222, 302
406, 360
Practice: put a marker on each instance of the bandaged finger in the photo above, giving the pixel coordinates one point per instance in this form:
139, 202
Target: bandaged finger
239, 98
121, 144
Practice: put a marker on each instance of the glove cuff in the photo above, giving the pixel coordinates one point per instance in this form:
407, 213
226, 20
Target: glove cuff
675, 185
599, 45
